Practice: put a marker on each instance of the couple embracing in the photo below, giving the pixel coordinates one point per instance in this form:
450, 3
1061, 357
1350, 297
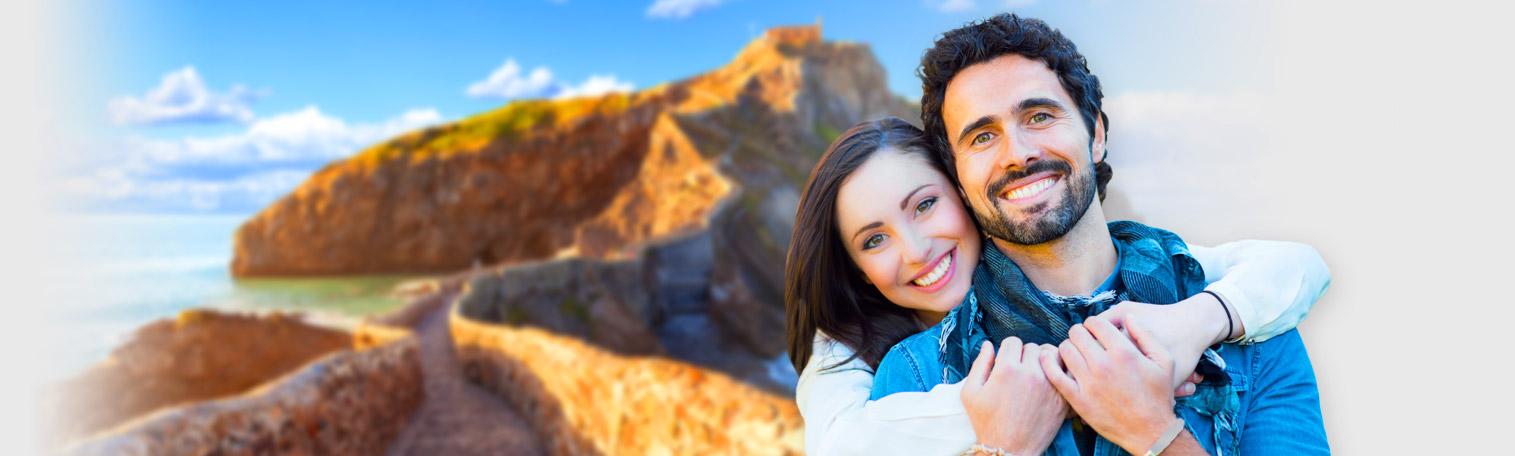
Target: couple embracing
958, 290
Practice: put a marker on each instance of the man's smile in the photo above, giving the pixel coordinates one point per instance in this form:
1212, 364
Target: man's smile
1031, 187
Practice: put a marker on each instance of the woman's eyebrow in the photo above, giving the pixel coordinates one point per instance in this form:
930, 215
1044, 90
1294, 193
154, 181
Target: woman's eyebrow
867, 227
908, 195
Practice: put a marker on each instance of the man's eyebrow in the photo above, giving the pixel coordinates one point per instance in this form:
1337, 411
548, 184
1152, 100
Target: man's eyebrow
908, 195
1038, 103
867, 227
982, 121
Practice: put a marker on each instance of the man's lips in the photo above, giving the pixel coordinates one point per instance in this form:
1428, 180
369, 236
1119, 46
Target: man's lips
1031, 187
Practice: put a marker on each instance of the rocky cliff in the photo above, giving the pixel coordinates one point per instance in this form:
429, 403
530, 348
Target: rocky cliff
588, 177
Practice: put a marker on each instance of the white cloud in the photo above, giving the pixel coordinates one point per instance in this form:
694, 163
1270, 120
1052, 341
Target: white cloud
244, 170
679, 9
183, 97
952, 6
596, 85
509, 81
1177, 154
299, 135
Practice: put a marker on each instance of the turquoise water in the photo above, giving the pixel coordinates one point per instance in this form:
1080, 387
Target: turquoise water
118, 272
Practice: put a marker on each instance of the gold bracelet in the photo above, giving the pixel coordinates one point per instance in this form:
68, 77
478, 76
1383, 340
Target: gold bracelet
989, 450
1167, 437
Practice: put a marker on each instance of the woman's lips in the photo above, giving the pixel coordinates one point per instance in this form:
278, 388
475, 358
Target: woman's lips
940, 273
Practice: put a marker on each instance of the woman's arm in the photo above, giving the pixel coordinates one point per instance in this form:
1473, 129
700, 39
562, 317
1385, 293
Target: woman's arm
840, 420
1269, 285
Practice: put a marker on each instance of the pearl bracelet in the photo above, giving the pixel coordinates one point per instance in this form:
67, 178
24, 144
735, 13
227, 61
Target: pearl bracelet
989, 450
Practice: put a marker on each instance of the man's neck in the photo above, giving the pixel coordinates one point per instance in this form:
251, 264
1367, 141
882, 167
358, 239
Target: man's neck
1071, 265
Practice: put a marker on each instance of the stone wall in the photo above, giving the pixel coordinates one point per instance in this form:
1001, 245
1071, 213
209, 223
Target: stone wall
585, 400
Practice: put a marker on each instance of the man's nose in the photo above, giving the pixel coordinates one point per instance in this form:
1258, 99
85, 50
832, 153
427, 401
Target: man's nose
1015, 151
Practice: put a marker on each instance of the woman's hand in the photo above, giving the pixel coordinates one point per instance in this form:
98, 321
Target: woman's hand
1184, 329
1009, 401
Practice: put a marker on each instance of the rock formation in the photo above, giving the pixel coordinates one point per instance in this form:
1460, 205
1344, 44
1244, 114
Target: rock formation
218, 383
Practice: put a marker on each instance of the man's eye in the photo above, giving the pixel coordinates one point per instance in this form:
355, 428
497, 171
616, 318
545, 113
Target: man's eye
983, 137
924, 204
873, 241
1040, 117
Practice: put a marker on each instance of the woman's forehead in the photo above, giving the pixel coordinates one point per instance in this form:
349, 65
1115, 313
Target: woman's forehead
877, 187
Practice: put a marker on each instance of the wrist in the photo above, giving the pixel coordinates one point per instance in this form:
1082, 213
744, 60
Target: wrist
1218, 317
1151, 432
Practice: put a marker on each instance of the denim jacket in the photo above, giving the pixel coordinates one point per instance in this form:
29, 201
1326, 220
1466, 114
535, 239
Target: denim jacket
1270, 404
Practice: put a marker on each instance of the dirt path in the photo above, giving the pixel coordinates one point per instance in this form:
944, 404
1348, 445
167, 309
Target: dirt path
458, 417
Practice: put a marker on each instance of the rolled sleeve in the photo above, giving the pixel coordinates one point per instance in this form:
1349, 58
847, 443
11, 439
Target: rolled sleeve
840, 420
1271, 285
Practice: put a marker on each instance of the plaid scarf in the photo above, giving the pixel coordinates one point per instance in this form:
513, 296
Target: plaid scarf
1155, 267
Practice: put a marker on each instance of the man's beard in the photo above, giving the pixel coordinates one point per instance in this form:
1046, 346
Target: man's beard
1050, 224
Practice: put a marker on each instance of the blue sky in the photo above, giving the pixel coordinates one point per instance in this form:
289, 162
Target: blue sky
287, 86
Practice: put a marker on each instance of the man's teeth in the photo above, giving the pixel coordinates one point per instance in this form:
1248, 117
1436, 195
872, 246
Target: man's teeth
1031, 189
936, 274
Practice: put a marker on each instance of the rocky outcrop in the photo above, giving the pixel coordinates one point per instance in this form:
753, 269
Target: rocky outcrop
585, 400
588, 177
198, 356
351, 402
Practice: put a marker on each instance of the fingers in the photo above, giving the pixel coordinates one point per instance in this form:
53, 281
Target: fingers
982, 365
1194, 377
1052, 367
1071, 358
1109, 336
1009, 353
1031, 359
1149, 344
1086, 345
1184, 389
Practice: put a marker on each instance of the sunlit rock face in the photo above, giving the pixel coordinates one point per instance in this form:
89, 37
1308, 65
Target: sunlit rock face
589, 177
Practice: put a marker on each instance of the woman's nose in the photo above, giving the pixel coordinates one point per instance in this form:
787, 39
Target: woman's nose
917, 249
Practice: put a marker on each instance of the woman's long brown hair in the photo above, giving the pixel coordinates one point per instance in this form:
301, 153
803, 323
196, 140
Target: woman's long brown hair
823, 289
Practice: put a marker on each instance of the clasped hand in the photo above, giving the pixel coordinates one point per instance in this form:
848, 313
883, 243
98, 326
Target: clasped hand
1121, 386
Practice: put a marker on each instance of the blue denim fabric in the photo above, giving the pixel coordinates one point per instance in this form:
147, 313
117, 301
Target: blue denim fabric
1266, 403
1278, 410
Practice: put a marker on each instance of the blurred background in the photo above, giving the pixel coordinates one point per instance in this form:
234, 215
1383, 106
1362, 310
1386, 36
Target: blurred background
624, 174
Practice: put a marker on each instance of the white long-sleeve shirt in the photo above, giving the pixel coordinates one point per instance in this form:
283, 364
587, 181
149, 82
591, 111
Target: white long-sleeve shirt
1271, 284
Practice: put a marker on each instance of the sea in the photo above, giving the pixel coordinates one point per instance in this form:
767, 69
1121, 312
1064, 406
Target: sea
115, 273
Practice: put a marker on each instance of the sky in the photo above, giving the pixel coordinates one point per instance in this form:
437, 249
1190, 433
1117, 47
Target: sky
210, 107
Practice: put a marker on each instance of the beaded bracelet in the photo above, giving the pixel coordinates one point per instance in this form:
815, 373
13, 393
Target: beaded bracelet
989, 450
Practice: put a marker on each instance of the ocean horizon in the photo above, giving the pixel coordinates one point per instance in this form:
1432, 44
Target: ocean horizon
114, 273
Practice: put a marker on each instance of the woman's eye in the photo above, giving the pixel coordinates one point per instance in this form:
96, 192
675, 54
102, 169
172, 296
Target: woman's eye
873, 241
983, 138
924, 204
1040, 117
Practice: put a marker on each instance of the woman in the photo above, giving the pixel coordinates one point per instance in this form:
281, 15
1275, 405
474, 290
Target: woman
883, 247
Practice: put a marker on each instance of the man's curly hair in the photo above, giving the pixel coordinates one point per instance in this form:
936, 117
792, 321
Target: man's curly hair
994, 37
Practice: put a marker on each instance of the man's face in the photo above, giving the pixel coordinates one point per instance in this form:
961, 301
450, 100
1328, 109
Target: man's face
1022, 151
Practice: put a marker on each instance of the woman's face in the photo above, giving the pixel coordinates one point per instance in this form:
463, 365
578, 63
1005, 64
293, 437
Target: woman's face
906, 229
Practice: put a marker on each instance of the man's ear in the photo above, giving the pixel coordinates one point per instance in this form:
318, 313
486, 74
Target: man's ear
1097, 151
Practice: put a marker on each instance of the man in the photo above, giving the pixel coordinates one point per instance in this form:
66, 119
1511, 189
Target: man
1011, 104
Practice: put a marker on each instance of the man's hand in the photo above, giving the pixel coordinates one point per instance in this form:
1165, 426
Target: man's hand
1123, 392
1009, 401
1185, 329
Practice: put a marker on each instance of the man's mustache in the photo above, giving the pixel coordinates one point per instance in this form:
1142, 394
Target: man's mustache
998, 186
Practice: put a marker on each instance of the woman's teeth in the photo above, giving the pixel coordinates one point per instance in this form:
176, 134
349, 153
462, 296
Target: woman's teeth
936, 274
1031, 189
